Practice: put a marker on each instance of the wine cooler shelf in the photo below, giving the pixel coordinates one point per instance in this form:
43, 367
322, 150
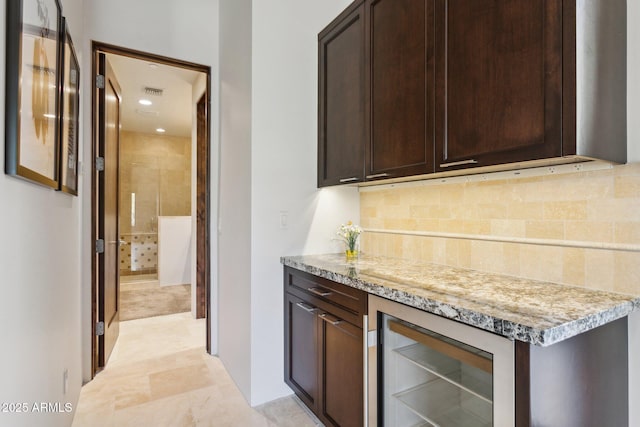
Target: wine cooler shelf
442, 404
469, 379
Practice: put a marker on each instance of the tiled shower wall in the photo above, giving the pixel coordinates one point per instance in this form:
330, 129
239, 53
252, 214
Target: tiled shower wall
158, 169
579, 228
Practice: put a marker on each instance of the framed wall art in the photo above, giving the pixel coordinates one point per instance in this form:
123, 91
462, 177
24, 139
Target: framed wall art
70, 110
32, 90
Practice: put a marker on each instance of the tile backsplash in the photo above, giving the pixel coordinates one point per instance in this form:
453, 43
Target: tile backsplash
579, 228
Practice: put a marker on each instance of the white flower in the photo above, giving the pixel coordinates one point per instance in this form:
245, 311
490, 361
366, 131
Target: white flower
349, 234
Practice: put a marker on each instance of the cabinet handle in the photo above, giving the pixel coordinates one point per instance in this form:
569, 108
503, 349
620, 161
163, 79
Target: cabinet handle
343, 180
377, 175
319, 291
460, 163
306, 307
330, 319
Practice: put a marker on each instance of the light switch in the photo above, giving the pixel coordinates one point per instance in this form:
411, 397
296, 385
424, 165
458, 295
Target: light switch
284, 220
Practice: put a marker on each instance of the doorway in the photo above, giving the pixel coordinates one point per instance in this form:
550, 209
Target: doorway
141, 192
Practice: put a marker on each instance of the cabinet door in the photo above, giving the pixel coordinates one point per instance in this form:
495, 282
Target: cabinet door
341, 121
499, 80
400, 49
342, 372
301, 349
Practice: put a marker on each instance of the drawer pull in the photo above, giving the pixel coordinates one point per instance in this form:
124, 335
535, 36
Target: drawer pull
460, 163
378, 175
330, 319
319, 291
343, 180
306, 307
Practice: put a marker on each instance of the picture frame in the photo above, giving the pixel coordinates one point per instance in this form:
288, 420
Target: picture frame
69, 115
32, 107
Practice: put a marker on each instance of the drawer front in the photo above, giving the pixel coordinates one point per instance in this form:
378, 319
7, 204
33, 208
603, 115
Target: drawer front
345, 297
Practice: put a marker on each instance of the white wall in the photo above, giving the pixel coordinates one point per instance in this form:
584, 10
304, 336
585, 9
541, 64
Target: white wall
39, 282
633, 138
181, 29
284, 146
234, 227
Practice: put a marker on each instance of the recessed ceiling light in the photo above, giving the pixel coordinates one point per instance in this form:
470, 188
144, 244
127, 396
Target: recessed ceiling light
153, 66
145, 102
160, 130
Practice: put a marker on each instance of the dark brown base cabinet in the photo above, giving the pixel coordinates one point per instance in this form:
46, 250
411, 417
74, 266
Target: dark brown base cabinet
324, 346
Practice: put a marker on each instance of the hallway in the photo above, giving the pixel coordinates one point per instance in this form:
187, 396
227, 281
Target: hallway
159, 375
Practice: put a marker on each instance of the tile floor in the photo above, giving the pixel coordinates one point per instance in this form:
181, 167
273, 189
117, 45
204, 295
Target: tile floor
142, 296
160, 375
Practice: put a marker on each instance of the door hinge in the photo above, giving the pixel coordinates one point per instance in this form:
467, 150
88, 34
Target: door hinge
100, 81
100, 164
100, 246
100, 328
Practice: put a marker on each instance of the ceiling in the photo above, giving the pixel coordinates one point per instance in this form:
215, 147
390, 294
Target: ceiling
172, 110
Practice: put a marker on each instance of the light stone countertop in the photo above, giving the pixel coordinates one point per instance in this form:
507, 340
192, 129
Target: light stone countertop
536, 312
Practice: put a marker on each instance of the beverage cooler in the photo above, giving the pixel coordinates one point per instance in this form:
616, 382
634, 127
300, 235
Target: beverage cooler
425, 370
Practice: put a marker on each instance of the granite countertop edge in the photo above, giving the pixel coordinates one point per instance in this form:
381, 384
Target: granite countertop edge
514, 330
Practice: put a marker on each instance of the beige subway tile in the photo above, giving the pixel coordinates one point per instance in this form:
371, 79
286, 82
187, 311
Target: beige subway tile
512, 259
481, 193
525, 210
395, 224
421, 196
573, 272
613, 209
451, 226
627, 186
594, 187
440, 251
366, 212
440, 212
411, 248
370, 200
426, 224
628, 169
487, 256
627, 232
565, 210
420, 211
589, 231
452, 252
508, 228
492, 210
426, 249
545, 229
374, 223
627, 272
463, 211
395, 212
477, 227
452, 194
464, 253
541, 262
391, 198
599, 270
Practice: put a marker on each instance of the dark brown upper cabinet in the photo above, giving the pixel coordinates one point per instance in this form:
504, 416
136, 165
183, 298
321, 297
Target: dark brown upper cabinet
467, 86
341, 99
400, 85
499, 80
